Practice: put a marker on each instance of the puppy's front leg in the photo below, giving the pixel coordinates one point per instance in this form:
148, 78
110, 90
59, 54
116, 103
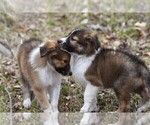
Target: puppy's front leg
90, 99
41, 97
54, 96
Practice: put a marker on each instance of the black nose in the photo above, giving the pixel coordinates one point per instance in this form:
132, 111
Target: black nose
70, 73
59, 41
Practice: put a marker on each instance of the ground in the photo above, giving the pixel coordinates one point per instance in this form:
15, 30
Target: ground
128, 32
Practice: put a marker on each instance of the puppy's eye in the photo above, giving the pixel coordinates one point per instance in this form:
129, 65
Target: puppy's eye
65, 61
74, 39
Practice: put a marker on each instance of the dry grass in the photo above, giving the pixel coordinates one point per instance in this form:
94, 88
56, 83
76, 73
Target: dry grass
115, 31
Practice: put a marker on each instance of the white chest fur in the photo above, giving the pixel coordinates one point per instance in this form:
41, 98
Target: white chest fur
47, 74
79, 65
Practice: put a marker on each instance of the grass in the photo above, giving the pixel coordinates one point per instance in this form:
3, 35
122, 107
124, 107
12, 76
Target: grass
58, 25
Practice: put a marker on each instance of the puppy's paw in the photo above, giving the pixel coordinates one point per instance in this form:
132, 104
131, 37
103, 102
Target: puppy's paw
89, 119
84, 122
144, 107
51, 109
92, 108
84, 110
27, 103
50, 119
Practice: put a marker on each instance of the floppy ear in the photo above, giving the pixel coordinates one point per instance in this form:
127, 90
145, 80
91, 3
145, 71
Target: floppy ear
53, 53
48, 48
44, 51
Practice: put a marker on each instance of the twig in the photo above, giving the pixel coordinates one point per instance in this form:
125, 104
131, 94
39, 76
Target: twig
10, 104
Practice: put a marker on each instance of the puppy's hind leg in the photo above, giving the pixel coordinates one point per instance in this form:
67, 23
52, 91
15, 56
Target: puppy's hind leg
145, 100
124, 98
26, 93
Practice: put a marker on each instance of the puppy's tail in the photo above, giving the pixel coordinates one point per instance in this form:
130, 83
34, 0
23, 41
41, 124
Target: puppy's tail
5, 50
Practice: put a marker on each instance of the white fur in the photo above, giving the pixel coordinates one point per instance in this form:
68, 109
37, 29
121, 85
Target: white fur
144, 119
27, 103
49, 77
90, 119
52, 119
144, 107
90, 99
79, 65
63, 39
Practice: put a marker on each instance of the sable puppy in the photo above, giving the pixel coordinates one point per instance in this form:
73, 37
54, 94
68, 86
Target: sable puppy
98, 68
42, 65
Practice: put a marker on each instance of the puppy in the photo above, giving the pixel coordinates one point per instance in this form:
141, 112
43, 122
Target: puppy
98, 68
42, 66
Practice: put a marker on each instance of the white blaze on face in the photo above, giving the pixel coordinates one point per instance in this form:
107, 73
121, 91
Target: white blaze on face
64, 39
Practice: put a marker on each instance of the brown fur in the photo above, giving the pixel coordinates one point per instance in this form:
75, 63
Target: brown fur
84, 42
111, 69
118, 71
50, 53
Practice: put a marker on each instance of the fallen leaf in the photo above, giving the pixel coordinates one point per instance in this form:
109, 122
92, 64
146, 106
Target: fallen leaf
147, 54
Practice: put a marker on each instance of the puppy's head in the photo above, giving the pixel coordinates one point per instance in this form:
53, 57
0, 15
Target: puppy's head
58, 58
81, 41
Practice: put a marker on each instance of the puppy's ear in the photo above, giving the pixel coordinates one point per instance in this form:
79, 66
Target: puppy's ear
44, 51
47, 48
53, 53
95, 40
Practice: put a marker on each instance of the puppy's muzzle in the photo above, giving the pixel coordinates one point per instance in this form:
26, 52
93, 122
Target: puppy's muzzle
62, 43
62, 40
65, 73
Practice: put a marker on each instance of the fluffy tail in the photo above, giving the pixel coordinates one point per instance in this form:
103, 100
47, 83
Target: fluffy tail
5, 50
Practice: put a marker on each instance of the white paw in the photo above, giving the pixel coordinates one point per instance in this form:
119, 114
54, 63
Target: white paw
51, 109
85, 119
83, 110
94, 108
51, 119
84, 122
89, 119
91, 108
27, 103
141, 109
144, 107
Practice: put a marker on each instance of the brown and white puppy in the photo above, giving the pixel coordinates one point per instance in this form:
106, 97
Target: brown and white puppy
98, 68
42, 66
